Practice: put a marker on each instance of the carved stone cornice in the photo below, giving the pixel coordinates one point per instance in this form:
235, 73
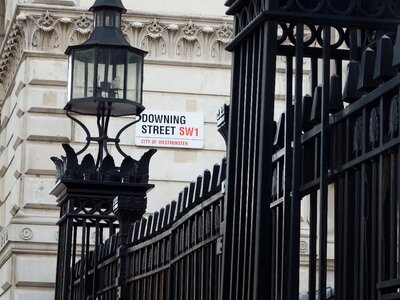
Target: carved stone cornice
167, 38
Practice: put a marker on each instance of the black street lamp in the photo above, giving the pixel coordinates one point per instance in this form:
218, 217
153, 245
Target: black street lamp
105, 72
105, 75
98, 199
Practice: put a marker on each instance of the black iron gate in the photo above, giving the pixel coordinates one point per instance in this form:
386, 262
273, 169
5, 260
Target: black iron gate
334, 64
297, 51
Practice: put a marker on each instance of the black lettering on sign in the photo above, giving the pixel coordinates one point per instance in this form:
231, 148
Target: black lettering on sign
161, 118
158, 129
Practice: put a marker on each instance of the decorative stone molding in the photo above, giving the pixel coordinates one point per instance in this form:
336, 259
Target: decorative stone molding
166, 39
26, 233
303, 246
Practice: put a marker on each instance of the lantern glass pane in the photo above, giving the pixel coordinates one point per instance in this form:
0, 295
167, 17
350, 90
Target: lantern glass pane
117, 20
99, 18
83, 73
134, 81
110, 78
109, 21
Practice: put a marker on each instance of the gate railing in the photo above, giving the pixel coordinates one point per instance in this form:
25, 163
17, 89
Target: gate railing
362, 163
174, 253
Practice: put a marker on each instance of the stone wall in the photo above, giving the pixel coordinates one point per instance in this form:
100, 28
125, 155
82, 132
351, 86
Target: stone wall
186, 70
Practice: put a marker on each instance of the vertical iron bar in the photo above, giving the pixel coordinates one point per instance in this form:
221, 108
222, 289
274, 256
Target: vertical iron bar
263, 180
314, 74
243, 185
237, 183
362, 223
256, 99
73, 270
393, 221
373, 272
381, 174
356, 227
338, 235
397, 190
252, 96
229, 211
324, 156
293, 282
96, 255
313, 246
84, 262
274, 253
288, 176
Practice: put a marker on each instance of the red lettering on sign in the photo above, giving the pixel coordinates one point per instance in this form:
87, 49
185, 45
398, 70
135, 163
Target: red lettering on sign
189, 131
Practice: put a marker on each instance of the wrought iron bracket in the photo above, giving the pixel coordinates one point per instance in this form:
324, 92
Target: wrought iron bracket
102, 139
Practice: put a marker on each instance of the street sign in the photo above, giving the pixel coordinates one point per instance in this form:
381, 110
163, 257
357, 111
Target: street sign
170, 129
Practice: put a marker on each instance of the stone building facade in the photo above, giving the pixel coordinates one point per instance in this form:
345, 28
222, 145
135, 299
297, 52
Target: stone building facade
186, 70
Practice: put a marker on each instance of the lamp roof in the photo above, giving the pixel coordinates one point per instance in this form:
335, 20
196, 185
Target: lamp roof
116, 4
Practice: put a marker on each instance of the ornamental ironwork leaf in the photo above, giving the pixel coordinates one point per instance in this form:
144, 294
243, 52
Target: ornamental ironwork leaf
59, 167
394, 115
72, 167
357, 137
374, 127
129, 169
143, 167
108, 171
88, 167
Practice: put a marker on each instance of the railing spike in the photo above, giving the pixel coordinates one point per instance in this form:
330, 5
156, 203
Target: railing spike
350, 91
180, 204
101, 252
279, 139
160, 219
383, 59
192, 188
214, 179
206, 184
156, 219
306, 112
335, 94
366, 81
166, 216
185, 198
136, 231
172, 215
113, 244
197, 193
396, 51
149, 225
91, 258
143, 225
222, 173
315, 117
